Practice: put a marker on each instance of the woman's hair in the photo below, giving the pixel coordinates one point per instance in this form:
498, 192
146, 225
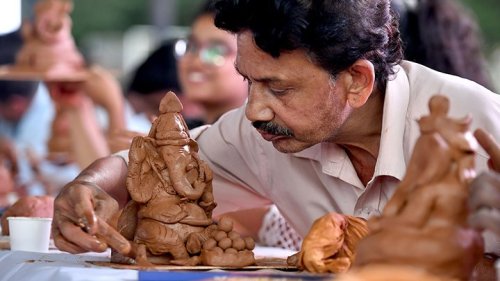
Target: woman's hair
158, 72
206, 8
443, 35
334, 33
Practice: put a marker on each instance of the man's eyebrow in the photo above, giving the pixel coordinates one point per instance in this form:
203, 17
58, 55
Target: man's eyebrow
261, 80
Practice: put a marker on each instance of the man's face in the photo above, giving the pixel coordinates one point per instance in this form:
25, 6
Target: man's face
292, 102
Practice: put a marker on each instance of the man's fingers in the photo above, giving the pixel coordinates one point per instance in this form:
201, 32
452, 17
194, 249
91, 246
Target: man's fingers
64, 245
76, 235
84, 209
485, 191
491, 147
114, 239
486, 218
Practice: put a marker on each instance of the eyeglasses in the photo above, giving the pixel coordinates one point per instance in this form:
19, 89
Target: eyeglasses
213, 53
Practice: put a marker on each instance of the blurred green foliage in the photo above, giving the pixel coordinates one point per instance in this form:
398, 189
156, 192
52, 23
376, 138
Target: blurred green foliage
487, 12
109, 15
118, 15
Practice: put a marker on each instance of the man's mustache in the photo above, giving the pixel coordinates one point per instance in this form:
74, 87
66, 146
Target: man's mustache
272, 128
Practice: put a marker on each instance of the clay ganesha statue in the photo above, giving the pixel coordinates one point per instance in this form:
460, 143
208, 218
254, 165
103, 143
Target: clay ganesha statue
424, 225
169, 219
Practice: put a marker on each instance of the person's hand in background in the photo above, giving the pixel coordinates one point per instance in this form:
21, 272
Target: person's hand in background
77, 100
485, 189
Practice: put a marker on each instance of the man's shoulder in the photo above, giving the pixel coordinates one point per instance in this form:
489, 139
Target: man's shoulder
425, 82
423, 77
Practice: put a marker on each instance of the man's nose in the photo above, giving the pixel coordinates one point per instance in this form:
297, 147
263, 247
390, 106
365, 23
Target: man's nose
258, 107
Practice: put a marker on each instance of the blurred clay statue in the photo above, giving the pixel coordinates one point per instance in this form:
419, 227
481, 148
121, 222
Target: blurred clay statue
424, 225
48, 45
28, 206
330, 244
169, 219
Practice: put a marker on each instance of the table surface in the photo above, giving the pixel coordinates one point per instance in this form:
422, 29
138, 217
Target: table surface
61, 266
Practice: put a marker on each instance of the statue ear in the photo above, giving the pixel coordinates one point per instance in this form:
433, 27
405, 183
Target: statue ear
361, 82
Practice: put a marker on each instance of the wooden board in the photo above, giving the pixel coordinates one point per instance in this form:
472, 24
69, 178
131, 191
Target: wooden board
8, 72
261, 263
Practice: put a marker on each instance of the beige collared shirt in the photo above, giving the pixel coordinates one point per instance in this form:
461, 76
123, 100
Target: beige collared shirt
250, 172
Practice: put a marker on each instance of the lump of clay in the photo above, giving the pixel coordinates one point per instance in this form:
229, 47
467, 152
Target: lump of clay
49, 51
225, 247
28, 206
169, 219
424, 224
330, 244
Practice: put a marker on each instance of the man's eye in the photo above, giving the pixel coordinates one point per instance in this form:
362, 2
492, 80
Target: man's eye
278, 92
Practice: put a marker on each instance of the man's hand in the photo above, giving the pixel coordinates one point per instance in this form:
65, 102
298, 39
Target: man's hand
484, 201
81, 212
489, 144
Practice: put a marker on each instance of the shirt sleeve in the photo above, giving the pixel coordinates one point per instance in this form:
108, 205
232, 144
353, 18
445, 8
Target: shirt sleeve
234, 152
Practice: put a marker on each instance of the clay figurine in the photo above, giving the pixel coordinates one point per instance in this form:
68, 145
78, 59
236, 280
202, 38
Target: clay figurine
169, 219
330, 244
424, 225
49, 52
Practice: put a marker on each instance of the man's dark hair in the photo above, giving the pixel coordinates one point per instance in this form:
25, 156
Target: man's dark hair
335, 33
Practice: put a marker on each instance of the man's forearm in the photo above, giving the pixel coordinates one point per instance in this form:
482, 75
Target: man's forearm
109, 174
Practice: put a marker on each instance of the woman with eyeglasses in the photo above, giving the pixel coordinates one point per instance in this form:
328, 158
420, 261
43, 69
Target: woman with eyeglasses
206, 67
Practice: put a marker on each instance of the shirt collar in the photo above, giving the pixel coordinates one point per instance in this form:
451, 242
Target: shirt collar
391, 160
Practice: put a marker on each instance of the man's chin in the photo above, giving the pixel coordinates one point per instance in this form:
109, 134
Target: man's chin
289, 145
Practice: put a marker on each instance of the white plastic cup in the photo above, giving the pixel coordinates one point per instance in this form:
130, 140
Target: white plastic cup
29, 234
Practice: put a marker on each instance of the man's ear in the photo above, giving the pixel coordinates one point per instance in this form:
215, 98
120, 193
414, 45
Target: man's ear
362, 80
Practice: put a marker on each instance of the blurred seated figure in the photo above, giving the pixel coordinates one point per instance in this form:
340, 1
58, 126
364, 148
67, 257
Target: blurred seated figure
28, 206
444, 36
26, 114
77, 134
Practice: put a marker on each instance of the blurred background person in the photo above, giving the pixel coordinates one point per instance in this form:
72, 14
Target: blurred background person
26, 114
443, 35
150, 81
206, 67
